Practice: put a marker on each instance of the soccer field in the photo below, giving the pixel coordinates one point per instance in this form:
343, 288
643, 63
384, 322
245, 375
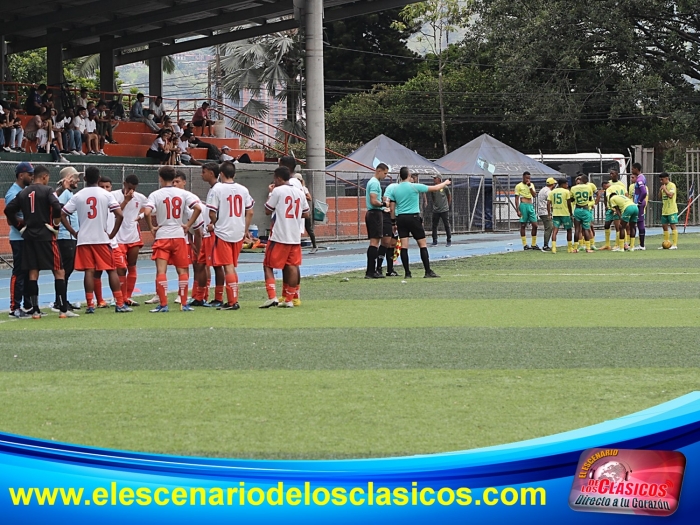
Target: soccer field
501, 348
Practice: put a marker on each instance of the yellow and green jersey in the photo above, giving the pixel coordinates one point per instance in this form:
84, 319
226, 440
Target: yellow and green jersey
522, 190
581, 194
621, 202
669, 206
560, 202
593, 190
616, 188
630, 193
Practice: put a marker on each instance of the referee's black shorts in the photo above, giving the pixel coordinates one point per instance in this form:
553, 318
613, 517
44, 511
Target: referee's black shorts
387, 229
41, 255
410, 225
373, 221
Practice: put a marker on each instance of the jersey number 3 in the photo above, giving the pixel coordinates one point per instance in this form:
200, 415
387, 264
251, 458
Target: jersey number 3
293, 206
92, 203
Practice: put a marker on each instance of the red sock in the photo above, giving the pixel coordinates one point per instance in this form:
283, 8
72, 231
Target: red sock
90, 299
219, 293
270, 287
284, 289
296, 292
183, 285
130, 281
289, 294
122, 285
232, 288
119, 298
195, 291
98, 290
206, 288
162, 288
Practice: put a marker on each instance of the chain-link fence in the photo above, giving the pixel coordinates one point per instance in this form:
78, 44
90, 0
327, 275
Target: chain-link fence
147, 174
346, 201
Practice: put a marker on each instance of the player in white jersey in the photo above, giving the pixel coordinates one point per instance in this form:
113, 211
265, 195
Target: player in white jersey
119, 261
170, 247
93, 206
129, 235
230, 213
283, 251
194, 234
210, 175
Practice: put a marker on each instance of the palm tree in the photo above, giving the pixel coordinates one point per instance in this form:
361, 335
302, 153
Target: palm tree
87, 66
272, 64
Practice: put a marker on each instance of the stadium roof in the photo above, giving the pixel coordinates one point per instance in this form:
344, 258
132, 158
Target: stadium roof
87, 27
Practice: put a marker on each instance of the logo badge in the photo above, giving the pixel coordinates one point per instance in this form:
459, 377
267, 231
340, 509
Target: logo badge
618, 481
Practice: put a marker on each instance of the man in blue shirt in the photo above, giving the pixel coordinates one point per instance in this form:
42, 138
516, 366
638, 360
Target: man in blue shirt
405, 215
23, 175
137, 115
68, 183
374, 220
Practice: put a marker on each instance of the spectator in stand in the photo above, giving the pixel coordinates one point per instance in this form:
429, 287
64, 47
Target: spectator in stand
45, 143
117, 108
32, 106
58, 126
4, 125
104, 124
158, 149
168, 124
157, 109
201, 119
183, 146
213, 152
92, 139
16, 131
179, 128
31, 129
46, 98
82, 100
224, 154
136, 114
74, 137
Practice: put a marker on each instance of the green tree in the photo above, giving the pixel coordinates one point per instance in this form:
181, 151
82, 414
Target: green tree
273, 64
365, 51
436, 20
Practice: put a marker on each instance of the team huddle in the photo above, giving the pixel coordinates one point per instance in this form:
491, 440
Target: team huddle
571, 209
187, 232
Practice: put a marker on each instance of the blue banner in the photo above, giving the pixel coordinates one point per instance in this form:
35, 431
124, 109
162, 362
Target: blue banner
526, 482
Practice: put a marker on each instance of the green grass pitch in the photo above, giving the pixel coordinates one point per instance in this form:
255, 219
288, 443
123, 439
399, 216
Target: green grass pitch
501, 348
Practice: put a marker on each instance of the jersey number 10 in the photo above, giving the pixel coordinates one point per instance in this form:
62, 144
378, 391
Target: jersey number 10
235, 205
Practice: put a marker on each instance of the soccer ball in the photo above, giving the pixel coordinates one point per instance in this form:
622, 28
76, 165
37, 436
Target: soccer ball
666, 245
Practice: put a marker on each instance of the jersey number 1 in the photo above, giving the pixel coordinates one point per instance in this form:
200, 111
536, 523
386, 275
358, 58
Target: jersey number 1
292, 210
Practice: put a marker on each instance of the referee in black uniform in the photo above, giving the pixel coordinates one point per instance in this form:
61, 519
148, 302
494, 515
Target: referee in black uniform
41, 213
405, 213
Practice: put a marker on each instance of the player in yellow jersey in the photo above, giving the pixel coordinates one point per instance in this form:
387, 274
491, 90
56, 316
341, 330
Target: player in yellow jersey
629, 214
524, 193
559, 207
591, 205
612, 187
583, 216
669, 209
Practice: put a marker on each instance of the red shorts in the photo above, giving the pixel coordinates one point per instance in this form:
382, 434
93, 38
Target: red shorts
172, 250
205, 251
94, 257
124, 248
278, 255
120, 256
225, 253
